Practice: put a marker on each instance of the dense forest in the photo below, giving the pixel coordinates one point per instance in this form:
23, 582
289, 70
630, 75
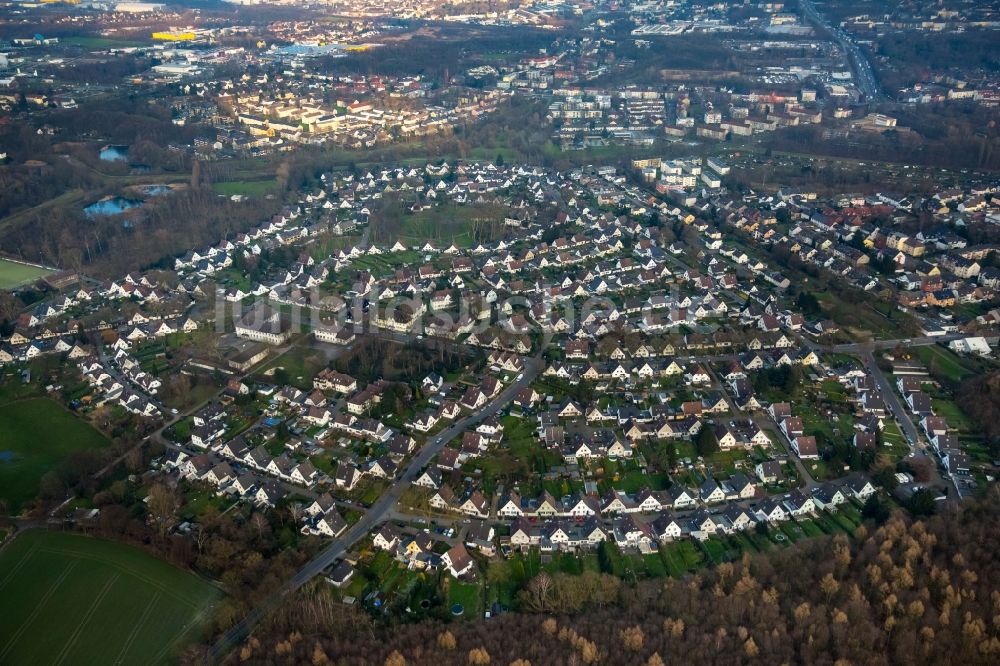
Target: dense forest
979, 397
186, 219
955, 137
440, 51
906, 58
916, 592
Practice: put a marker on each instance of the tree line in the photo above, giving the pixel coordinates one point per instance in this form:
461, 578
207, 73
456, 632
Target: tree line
907, 591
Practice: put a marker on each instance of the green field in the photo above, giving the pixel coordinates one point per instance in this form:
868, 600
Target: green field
70, 599
301, 364
951, 411
947, 363
446, 224
99, 42
248, 188
13, 274
38, 434
466, 594
861, 321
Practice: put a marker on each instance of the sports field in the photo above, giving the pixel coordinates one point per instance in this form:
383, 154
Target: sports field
37, 435
71, 599
13, 274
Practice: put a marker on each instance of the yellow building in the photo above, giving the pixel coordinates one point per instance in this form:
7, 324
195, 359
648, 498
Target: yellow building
174, 36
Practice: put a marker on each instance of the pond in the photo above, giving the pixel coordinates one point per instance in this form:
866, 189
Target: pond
7, 456
118, 205
110, 206
114, 153
154, 190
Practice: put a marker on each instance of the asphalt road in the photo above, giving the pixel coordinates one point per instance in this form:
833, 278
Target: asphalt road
892, 398
905, 421
378, 511
864, 76
857, 347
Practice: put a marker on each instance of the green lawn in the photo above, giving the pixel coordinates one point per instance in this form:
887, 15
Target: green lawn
89, 42
248, 188
941, 360
792, 530
946, 364
753, 542
444, 224
951, 411
521, 457
635, 480
38, 434
301, 364
810, 528
830, 523
726, 463
466, 594
71, 599
843, 521
714, 549
834, 390
355, 588
851, 511
681, 557
673, 562
327, 245
892, 435
861, 320
372, 492
13, 274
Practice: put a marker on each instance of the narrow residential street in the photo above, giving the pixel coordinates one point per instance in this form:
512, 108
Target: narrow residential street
899, 411
378, 512
765, 423
906, 424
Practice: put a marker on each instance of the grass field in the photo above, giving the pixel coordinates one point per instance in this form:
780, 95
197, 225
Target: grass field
98, 42
70, 599
13, 274
861, 321
951, 411
446, 224
301, 364
38, 434
681, 557
949, 364
248, 188
466, 594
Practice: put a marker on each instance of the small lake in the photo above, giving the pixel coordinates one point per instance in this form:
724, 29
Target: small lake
7, 456
111, 206
114, 153
118, 205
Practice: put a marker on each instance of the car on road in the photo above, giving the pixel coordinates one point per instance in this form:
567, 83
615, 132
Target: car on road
520, 377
